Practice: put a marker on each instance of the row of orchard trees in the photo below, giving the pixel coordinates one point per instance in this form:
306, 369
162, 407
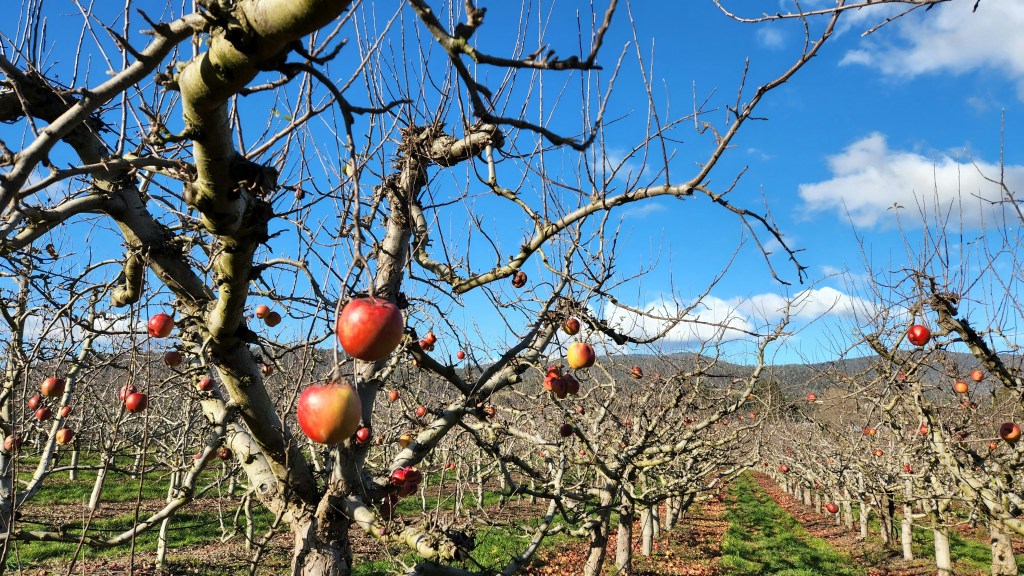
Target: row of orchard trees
924, 427
200, 159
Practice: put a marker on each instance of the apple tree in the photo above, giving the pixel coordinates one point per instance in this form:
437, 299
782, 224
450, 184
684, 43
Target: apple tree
218, 156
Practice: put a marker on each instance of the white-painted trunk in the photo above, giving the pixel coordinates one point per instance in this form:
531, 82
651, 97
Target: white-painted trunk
864, 520
1003, 562
943, 560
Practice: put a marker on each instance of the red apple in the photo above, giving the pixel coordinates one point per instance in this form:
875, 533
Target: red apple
262, 311
126, 391
12, 443
636, 372
34, 402
878, 452
421, 411
992, 445
369, 328
919, 335
136, 402
43, 414
832, 507
205, 384
583, 452
267, 369
812, 397
571, 326
430, 338
907, 469
224, 453
272, 319
64, 436
413, 477
64, 411
329, 413
923, 429
160, 325
460, 355
402, 475
977, 375
363, 435
1010, 432
519, 279
426, 346
173, 358
572, 385
52, 387
556, 386
393, 395
565, 430
960, 387
580, 355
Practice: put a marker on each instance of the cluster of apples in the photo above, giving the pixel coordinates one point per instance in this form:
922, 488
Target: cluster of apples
133, 400
402, 482
428, 341
270, 317
368, 329
560, 385
52, 387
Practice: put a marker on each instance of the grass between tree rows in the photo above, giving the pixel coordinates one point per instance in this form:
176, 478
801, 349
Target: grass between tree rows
764, 539
209, 521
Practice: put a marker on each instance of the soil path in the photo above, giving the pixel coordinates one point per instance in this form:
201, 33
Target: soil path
692, 548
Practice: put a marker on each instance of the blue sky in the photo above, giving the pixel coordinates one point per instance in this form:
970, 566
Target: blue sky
906, 115
909, 114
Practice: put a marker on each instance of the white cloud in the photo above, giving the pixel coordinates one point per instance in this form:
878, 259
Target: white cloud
715, 318
772, 38
949, 38
870, 182
644, 209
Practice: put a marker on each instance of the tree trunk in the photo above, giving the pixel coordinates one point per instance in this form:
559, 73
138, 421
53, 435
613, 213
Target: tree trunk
863, 520
314, 557
599, 534
886, 510
847, 510
624, 546
646, 531
101, 477
655, 522
943, 561
1003, 562
670, 516
907, 527
161, 540
73, 471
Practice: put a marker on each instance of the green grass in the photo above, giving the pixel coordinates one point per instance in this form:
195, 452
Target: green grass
974, 553
763, 539
57, 488
185, 530
414, 505
495, 545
